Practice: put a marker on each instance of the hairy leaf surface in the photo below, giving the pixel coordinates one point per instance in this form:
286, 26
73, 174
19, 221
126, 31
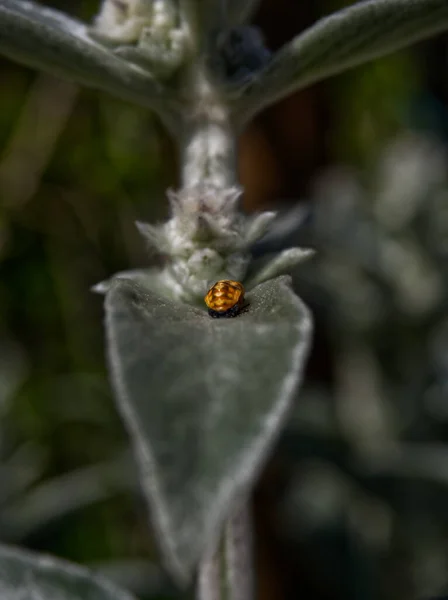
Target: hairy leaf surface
342, 40
49, 40
204, 400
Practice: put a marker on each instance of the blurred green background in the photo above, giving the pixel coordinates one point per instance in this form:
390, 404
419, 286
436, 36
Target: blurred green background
354, 503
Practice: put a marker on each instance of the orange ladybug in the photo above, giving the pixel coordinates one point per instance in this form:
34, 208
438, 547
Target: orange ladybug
225, 298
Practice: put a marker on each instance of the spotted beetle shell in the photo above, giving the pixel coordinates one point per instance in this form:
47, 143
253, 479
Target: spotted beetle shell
225, 298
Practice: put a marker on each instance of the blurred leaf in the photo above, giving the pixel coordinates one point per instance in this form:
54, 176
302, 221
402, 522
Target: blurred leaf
141, 577
340, 41
366, 121
13, 370
46, 39
20, 470
204, 400
26, 575
56, 498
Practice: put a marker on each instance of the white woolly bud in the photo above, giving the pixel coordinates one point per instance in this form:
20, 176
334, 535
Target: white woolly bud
153, 235
179, 236
122, 21
176, 289
226, 234
186, 285
205, 263
150, 26
207, 239
205, 230
173, 199
164, 15
178, 40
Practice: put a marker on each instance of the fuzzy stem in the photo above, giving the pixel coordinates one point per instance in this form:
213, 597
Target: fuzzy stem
205, 21
208, 139
208, 155
239, 555
208, 158
209, 578
227, 573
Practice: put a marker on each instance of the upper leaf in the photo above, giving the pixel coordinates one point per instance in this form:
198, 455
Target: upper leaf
50, 40
32, 576
204, 400
340, 41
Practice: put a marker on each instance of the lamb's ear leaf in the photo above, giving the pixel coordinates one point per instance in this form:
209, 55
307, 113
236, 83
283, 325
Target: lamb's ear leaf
49, 40
24, 574
342, 40
203, 400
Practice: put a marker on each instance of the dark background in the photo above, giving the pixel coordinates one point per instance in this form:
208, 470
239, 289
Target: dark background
337, 516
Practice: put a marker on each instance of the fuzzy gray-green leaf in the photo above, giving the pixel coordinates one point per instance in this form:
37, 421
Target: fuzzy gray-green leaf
283, 262
340, 41
203, 400
49, 40
28, 576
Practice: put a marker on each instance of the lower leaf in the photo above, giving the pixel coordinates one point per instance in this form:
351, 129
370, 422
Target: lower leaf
203, 399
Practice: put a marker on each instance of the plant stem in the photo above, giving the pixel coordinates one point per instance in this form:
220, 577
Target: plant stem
228, 572
209, 577
208, 156
239, 554
208, 140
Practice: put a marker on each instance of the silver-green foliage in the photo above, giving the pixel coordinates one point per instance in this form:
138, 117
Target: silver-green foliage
341, 41
52, 41
26, 575
204, 399
381, 278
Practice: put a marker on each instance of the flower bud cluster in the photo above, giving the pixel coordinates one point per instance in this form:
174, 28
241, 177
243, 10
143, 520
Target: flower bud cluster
122, 21
146, 32
205, 240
